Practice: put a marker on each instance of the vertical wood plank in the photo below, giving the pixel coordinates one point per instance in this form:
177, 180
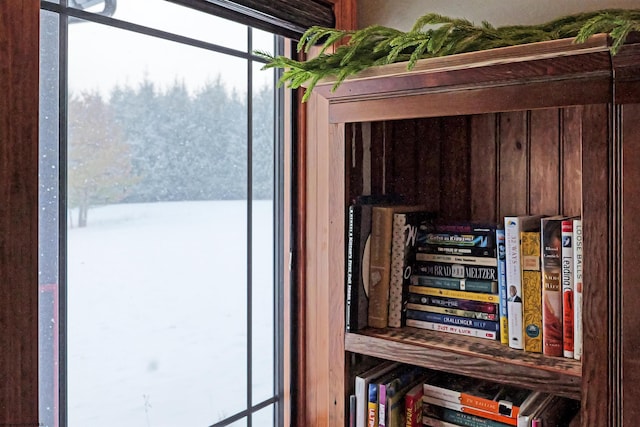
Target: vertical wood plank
544, 162
572, 161
402, 177
379, 136
19, 68
454, 169
484, 158
513, 163
428, 133
630, 331
598, 237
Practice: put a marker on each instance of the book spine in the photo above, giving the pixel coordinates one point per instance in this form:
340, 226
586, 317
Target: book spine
399, 248
460, 304
502, 287
531, 291
352, 410
471, 239
382, 405
438, 410
486, 286
449, 293
413, 407
577, 289
457, 259
456, 270
453, 311
435, 422
458, 330
514, 281
379, 266
472, 411
350, 303
446, 319
457, 250
567, 288
372, 406
551, 240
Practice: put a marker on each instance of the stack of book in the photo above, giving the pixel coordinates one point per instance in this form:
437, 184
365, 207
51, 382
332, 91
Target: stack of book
454, 282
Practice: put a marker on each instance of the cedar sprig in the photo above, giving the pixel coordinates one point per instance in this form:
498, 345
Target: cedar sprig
434, 35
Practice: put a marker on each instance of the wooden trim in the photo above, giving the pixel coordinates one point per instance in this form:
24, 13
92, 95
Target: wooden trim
19, 68
305, 375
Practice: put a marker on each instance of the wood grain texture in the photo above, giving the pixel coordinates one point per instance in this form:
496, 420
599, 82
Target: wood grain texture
474, 357
599, 241
19, 64
571, 189
544, 162
454, 169
513, 163
630, 327
484, 154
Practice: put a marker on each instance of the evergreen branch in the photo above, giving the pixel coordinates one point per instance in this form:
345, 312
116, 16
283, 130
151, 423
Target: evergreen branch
379, 45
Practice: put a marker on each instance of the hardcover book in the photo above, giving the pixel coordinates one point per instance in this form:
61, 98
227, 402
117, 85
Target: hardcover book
486, 286
413, 407
460, 304
449, 293
468, 411
475, 393
404, 235
430, 410
447, 319
380, 262
502, 287
567, 287
532, 291
513, 226
577, 289
460, 271
551, 268
362, 382
453, 311
453, 329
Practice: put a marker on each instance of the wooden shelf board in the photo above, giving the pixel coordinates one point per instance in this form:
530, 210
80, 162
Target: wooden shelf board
475, 357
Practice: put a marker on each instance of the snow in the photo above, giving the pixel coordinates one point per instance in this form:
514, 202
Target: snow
157, 314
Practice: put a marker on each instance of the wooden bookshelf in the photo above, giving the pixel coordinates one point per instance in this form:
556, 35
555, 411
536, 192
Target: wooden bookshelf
544, 128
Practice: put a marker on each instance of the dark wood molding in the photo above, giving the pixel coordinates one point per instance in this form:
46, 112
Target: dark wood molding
19, 68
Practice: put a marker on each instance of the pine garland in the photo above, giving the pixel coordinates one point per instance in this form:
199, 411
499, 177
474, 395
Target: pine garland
434, 35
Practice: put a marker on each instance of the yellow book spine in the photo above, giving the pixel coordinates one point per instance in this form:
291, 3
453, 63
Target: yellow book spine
450, 293
532, 291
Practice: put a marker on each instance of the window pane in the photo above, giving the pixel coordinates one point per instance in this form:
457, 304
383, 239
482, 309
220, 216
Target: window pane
157, 232
177, 19
262, 41
263, 238
48, 235
264, 417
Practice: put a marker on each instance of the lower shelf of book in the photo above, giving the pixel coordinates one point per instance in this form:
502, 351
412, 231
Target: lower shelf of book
473, 357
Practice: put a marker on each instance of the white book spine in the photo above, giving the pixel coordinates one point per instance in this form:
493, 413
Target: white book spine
471, 332
514, 281
577, 288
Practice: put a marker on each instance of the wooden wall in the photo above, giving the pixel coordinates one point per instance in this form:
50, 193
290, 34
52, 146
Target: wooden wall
480, 167
19, 59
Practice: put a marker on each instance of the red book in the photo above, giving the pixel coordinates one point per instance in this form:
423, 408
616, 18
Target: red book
413, 406
567, 287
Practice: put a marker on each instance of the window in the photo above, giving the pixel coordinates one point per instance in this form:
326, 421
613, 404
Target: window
161, 204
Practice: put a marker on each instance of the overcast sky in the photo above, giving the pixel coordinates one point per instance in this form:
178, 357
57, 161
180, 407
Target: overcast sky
101, 57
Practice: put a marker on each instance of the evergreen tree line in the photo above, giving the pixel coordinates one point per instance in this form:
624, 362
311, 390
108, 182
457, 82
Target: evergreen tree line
147, 145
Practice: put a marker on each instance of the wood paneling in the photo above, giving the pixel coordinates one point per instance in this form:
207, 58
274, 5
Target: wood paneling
19, 63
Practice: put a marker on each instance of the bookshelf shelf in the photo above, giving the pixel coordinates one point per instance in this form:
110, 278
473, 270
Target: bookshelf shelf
548, 128
469, 356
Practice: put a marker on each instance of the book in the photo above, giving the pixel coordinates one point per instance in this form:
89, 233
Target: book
380, 262
372, 405
502, 286
444, 413
567, 287
460, 304
447, 319
457, 259
453, 311
434, 422
391, 383
577, 289
361, 388
513, 226
459, 330
396, 406
460, 271
450, 293
531, 291
530, 408
404, 236
352, 410
551, 251
467, 410
413, 406
483, 395
487, 286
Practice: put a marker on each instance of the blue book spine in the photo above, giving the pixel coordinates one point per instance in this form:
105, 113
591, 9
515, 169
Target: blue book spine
502, 287
447, 319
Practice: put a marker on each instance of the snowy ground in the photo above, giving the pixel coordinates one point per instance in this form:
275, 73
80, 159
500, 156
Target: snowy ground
157, 314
